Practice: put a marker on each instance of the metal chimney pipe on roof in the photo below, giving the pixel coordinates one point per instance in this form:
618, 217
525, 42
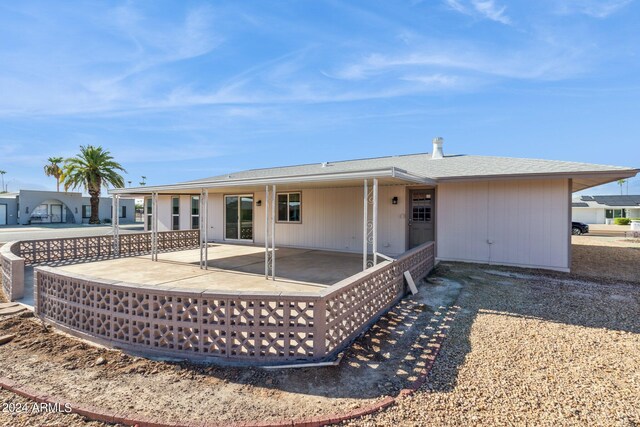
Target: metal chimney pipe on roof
437, 148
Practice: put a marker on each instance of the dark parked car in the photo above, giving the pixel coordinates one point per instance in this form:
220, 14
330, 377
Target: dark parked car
578, 228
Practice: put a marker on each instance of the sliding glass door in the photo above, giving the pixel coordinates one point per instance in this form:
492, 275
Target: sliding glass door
238, 217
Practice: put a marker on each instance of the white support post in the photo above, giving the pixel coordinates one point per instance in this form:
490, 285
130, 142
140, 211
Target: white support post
273, 233
365, 243
267, 256
115, 223
154, 226
206, 229
200, 226
375, 221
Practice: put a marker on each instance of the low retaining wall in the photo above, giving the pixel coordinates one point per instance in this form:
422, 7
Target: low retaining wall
15, 255
357, 302
12, 271
235, 327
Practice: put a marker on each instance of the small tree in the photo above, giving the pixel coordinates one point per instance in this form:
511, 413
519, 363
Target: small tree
53, 169
91, 169
2, 189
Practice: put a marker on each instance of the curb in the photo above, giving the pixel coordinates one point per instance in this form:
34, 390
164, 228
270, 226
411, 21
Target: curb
130, 419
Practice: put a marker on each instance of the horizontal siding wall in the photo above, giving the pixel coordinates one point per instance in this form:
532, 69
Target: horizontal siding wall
331, 219
518, 222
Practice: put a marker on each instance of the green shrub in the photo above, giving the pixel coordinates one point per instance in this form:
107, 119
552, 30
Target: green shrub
622, 221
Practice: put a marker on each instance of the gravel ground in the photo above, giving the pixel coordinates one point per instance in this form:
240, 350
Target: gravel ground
530, 349
606, 257
381, 363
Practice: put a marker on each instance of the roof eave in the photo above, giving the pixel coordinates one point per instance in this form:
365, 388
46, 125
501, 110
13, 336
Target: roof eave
616, 174
392, 172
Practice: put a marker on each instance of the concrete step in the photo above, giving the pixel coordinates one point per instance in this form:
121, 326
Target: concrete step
7, 304
12, 310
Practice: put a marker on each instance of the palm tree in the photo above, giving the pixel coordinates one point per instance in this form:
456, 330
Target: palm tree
621, 183
144, 180
91, 169
2, 189
53, 169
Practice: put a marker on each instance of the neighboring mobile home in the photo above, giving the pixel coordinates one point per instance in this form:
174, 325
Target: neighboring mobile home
476, 208
604, 209
50, 207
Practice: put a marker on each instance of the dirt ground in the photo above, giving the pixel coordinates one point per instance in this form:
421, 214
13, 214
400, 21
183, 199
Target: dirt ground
531, 349
527, 347
381, 363
28, 415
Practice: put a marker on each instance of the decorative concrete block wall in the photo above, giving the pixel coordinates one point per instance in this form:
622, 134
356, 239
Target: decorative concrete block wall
12, 271
234, 327
15, 255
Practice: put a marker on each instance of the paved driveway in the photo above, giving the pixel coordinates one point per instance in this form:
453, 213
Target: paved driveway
28, 232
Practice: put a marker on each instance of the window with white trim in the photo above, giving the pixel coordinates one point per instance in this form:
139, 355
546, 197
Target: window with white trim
175, 213
289, 207
149, 209
195, 212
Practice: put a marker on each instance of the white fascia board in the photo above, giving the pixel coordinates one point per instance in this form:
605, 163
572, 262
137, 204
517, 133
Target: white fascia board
610, 174
338, 176
406, 176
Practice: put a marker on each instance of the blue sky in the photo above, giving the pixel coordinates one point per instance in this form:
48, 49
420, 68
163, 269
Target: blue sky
184, 90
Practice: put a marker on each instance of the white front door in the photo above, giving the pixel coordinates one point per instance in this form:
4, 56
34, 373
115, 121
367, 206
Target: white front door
56, 213
3, 214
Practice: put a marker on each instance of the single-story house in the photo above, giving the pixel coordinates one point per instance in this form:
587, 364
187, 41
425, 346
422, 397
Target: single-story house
604, 209
509, 211
50, 207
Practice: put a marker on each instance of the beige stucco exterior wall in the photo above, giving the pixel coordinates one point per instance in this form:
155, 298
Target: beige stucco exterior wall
517, 222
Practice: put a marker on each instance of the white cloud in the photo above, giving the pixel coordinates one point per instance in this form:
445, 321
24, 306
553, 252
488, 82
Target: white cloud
487, 9
119, 65
457, 6
490, 10
433, 80
544, 62
593, 8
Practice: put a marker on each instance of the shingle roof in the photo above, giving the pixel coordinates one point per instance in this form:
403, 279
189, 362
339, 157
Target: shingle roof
422, 165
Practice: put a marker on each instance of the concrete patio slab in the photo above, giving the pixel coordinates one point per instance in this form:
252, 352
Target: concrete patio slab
231, 268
